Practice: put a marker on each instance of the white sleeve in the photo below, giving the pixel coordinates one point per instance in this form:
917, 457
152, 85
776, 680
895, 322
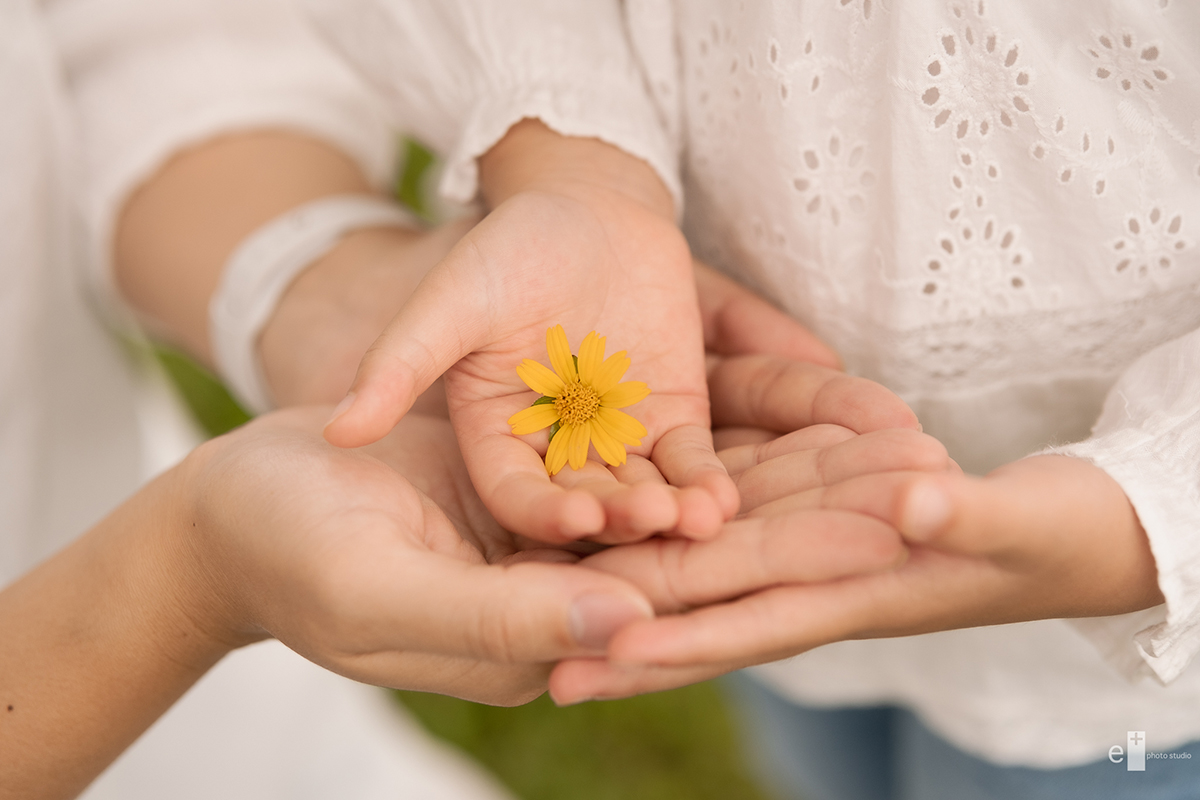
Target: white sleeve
1148, 439
151, 78
460, 73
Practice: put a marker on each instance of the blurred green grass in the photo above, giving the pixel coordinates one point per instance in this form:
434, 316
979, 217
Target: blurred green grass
666, 746
675, 745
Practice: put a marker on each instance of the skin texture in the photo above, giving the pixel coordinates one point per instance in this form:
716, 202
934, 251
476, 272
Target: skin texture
270, 531
583, 235
849, 522
1041, 538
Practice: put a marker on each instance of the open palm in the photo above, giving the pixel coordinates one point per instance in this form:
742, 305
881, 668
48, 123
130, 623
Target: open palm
390, 581
541, 259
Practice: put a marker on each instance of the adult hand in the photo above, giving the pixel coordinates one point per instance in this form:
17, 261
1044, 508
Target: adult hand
269, 531
1044, 537
568, 243
341, 558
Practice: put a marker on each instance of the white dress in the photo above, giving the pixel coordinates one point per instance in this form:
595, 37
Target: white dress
989, 206
80, 428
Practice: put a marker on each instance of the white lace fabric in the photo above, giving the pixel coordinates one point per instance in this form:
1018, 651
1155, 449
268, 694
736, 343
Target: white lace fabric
991, 207
470, 71
149, 80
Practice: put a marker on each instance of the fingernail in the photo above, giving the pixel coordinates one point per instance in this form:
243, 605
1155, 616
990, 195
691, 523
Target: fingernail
342, 408
595, 618
926, 512
572, 702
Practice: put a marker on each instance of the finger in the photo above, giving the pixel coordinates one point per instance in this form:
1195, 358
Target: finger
752, 554
421, 601
947, 511
638, 469
771, 392
685, 457
632, 512
741, 458
471, 679
932, 591
926, 509
512, 482
737, 321
764, 626
443, 321
1015, 516
879, 451
577, 680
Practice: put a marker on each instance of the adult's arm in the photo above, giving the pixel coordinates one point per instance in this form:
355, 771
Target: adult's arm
271, 532
200, 121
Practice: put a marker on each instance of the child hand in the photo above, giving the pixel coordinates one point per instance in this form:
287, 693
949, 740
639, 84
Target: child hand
589, 257
1044, 537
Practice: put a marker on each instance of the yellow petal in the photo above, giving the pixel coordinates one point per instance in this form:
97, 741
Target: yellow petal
556, 455
610, 372
560, 354
581, 437
534, 418
620, 426
624, 394
612, 451
591, 356
539, 378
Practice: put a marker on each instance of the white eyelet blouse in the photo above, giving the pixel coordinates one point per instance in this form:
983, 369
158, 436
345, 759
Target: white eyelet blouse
990, 206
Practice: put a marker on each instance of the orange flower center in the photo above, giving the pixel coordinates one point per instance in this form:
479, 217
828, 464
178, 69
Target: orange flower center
577, 403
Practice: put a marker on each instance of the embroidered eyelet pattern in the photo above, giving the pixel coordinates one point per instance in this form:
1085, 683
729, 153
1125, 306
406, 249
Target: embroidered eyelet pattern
978, 266
976, 81
864, 8
1151, 245
1128, 65
834, 179
941, 192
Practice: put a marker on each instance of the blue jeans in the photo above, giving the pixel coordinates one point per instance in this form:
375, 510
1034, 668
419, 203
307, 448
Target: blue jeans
886, 753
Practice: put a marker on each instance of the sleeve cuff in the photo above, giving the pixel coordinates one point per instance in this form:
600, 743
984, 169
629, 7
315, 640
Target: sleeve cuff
1159, 642
608, 117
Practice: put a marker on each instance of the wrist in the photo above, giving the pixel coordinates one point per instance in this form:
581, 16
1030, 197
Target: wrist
331, 313
325, 320
193, 611
532, 157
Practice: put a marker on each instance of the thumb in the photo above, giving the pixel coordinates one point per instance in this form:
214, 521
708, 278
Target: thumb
436, 327
951, 512
526, 612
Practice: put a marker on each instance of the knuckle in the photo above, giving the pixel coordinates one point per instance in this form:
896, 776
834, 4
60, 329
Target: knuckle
491, 634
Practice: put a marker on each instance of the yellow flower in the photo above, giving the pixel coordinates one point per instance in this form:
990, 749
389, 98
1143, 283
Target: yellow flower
580, 398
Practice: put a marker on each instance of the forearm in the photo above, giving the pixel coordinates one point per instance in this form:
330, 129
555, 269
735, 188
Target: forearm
95, 644
177, 232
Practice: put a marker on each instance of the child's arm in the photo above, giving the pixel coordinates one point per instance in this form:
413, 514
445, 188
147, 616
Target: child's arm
1044, 537
271, 532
